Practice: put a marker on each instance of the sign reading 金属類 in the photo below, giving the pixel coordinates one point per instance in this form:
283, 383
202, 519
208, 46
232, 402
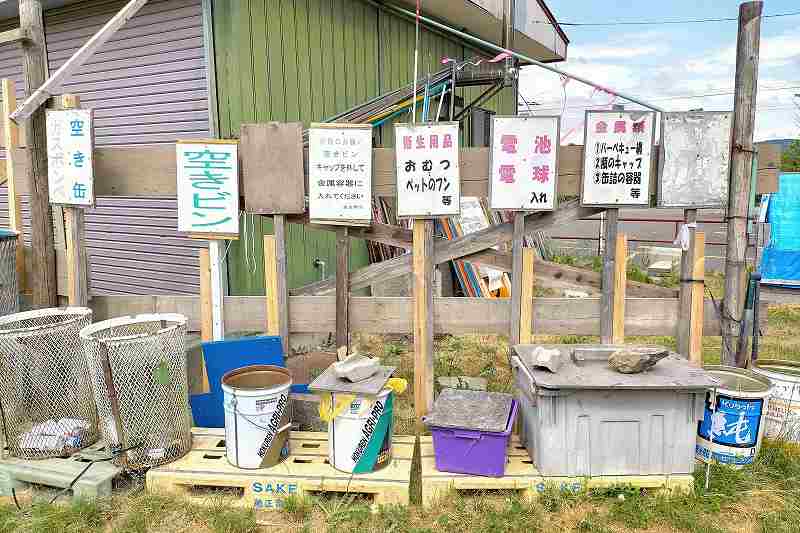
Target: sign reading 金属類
428, 180
616, 158
524, 163
340, 173
70, 171
208, 188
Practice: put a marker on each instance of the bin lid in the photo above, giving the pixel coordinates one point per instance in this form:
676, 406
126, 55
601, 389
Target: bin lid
585, 366
475, 410
372, 386
6, 233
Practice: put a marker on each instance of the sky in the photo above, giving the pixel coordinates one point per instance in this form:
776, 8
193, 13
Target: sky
666, 63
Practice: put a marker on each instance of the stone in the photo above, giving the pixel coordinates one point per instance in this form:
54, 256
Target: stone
356, 368
549, 359
635, 360
463, 382
569, 293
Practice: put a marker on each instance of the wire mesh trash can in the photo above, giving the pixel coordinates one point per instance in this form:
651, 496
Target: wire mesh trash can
9, 293
138, 370
46, 400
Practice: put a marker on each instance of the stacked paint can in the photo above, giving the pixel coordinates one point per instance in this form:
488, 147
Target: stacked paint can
733, 423
360, 437
783, 409
257, 421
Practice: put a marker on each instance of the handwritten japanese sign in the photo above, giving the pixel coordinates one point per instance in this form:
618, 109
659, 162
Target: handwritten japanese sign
616, 158
340, 173
695, 159
208, 187
70, 170
428, 181
524, 163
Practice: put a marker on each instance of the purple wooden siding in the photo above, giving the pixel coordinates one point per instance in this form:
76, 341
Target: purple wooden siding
148, 83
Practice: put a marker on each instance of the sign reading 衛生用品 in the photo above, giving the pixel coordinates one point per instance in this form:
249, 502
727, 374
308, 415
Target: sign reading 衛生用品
208, 188
428, 180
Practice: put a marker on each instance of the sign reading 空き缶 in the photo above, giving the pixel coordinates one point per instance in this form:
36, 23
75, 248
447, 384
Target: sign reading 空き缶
70, 170
616, 158
208, 188
340, 173
428, 180
524, 164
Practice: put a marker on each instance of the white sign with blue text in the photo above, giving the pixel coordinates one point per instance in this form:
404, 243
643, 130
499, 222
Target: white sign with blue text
208, 188
70, 172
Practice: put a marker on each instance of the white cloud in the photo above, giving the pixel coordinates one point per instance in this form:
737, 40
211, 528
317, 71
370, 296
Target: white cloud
594, 52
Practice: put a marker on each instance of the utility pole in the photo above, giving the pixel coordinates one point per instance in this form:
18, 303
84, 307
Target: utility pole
744, 109
42, 275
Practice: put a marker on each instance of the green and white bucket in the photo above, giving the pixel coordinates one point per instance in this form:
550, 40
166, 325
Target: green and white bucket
360, 437
257, 421
783, 410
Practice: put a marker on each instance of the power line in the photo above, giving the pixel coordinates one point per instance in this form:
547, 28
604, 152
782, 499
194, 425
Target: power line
555, 105
659, 22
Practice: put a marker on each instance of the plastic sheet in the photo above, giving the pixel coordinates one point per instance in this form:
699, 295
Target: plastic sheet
780, 263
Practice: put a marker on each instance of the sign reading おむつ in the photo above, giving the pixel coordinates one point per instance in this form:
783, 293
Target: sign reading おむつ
428, 182
524, 163
70, 172
208, 188
616, 158
340, 173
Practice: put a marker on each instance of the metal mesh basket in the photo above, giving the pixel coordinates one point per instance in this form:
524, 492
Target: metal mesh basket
9, 295
46, 400
138, 370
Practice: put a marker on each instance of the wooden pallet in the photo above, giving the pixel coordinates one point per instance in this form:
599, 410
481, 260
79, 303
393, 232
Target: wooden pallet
58, 472
521, 475
205, 470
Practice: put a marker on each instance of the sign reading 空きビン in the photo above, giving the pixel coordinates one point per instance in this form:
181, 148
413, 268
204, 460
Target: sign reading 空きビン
70, 171
616, 158
428, 181
524, 163
340, 173
208, 188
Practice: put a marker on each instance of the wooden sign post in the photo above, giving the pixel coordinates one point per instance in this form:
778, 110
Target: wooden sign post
71, 184
523, 178
11, 142
428, 186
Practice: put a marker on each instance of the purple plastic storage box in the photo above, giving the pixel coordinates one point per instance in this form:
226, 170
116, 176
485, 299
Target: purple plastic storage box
467, 451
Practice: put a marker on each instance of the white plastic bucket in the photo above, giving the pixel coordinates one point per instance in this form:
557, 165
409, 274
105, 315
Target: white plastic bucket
732, 429
783, 410
256, 401
360, 438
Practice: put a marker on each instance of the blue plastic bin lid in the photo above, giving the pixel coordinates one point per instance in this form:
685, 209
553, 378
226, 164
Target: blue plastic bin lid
6, 233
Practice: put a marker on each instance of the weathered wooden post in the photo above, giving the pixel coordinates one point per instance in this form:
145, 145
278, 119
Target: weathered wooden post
742, 152
11, 142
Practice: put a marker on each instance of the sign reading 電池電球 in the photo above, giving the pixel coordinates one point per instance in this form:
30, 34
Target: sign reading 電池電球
428, 181
70, 171
340, 173
524, 163
208, 188
617, 157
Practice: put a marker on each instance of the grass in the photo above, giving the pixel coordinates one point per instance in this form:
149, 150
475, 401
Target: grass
764, 498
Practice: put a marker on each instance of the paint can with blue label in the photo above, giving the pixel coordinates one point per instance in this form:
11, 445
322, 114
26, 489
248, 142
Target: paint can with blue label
360, 437
733, 423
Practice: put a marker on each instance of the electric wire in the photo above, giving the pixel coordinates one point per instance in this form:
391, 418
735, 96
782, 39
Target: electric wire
656, 22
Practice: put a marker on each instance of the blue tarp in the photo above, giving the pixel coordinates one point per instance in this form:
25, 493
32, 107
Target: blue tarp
780, 262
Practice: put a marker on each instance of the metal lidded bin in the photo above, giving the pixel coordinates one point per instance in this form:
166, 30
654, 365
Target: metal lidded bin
589, 420
138, 370
46, 400
9, 291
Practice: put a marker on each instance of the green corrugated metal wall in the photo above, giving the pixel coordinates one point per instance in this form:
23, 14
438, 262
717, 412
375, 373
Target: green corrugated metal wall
305, 60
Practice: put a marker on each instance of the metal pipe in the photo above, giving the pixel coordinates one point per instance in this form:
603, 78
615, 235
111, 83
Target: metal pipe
485, 95
756, 277
500, 49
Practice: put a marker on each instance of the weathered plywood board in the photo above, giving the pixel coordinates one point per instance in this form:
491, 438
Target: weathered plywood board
150, 170
458, 316
272, 168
